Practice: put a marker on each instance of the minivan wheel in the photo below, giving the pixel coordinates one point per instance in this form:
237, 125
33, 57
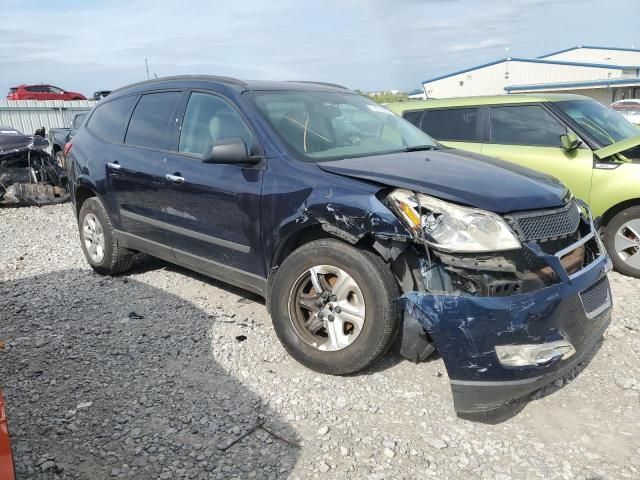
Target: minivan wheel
99, 244
622, 240
333, 306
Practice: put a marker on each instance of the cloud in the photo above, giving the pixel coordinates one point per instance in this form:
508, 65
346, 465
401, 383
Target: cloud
369, 44
481, 45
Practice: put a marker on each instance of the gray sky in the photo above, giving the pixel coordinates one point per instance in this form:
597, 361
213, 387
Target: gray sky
368, 44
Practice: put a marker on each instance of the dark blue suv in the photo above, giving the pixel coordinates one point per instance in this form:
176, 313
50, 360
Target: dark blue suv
357, 228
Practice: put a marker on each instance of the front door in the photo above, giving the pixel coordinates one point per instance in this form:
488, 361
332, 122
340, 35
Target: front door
529, 135
213, 210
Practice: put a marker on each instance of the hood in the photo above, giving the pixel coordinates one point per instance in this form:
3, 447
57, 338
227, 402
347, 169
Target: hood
458, 176
617, 147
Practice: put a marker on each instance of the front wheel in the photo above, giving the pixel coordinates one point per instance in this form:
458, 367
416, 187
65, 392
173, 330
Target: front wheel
622, 240
333, 307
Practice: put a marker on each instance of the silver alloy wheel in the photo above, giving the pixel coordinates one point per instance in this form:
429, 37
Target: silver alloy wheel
93, 237
327, 308
627, 243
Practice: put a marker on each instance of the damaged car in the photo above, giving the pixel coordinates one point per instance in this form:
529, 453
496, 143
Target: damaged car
357, 228
29, 175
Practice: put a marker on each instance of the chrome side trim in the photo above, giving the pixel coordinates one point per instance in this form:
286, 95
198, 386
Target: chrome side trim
240, 278
186, 232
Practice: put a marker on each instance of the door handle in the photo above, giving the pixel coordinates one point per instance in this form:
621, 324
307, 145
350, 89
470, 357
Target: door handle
114, 165
174, 178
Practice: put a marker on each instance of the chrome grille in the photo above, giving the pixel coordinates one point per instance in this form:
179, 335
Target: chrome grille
547, 224
596, 298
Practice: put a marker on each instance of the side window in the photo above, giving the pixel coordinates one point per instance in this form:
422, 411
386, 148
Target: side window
525, 125
34, 88
77, 122
152, 120
207, 120
109, 120
413, 117
51, 89
456, 124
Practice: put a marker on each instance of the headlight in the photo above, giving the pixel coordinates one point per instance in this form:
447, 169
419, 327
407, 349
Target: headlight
452, 227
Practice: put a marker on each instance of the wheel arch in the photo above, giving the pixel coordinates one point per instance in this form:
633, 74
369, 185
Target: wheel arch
82, 193
617, 208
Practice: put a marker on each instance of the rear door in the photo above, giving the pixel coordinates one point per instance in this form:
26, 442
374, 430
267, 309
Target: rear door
137, 170
453, 127
529, 135
213, 210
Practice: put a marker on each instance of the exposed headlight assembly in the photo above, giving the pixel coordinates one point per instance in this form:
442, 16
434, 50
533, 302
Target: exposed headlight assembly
451, 227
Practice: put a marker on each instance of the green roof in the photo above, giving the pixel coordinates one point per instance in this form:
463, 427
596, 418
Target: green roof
399, 107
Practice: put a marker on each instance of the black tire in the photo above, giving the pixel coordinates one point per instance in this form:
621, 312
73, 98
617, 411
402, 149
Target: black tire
378, 287
631, 213
116, 259
59, 156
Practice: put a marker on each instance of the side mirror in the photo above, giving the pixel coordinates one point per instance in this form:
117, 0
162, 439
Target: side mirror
570, 141
229, 150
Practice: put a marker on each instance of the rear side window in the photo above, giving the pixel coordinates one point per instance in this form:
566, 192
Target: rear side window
109, 121
456, 124
77, 122
525, 125
413, 117
151, 122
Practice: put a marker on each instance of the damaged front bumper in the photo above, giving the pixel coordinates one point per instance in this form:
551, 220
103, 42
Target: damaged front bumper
541, 335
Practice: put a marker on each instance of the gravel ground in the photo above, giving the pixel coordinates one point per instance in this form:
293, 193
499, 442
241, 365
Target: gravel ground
163, 373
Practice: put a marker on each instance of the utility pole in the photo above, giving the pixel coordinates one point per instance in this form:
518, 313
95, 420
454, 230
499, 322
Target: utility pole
146, 64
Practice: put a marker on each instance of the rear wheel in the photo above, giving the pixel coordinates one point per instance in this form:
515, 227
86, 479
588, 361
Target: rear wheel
98, 240
622, 240
333, 307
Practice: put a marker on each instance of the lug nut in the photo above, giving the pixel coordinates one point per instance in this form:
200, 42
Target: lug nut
331, 318
318, 304
337, 309
325, 295
333, 298
320, 314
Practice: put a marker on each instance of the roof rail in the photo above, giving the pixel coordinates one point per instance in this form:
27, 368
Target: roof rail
326, 84
216, 78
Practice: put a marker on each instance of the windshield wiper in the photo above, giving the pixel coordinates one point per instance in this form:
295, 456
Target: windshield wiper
420, 148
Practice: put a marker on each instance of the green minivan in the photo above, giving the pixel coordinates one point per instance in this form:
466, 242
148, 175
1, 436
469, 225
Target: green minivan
594, 150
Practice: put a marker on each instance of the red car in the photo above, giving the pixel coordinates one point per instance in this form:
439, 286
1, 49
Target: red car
6, 459
42, 92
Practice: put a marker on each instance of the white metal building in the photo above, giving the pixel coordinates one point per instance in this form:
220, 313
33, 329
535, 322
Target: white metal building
29, 115
605, 74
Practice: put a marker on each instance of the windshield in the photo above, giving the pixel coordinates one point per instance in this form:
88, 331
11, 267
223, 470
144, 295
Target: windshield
321, 126
603, 124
